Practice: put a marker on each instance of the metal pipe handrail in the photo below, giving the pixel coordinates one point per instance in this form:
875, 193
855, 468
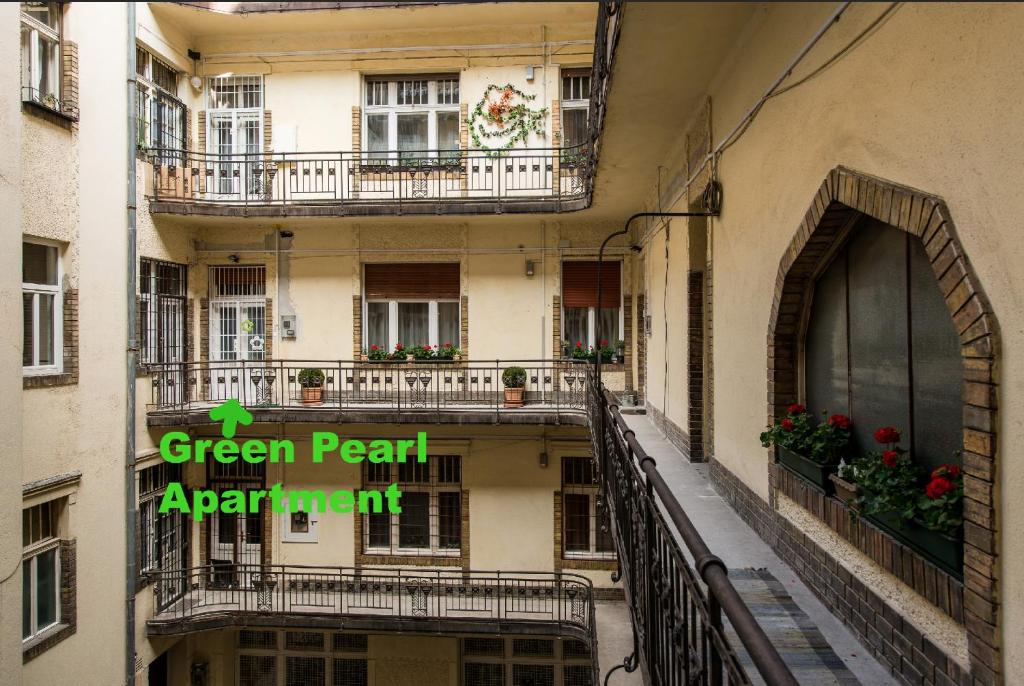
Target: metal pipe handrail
709, 566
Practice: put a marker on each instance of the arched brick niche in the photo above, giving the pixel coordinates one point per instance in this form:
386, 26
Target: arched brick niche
842, 199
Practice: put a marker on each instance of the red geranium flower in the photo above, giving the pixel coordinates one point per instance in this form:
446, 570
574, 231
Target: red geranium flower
786, 424
889, 458
604, 342
938, 487
447, 345
373, 347
840, 421
398, 346
887, 434
796, 408
579, 344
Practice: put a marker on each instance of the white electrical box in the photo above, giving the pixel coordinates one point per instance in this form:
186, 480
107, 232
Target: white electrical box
288, 325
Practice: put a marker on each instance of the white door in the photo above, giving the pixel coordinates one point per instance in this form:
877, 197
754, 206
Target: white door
234, 140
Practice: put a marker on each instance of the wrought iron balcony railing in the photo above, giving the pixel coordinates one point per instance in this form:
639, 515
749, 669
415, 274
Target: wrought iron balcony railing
676, 606
562, 601
417, 387
348, 181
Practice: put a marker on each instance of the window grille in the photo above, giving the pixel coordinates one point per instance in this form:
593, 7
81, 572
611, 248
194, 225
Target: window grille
257, 670
260, 640
377, 93
160, 114
42, 305
304, 640
575, 107
412, 92
163, 290
237, 313
484, 674
304, 671
577, 675
448, 92
235, 92
525, 661
533, 675
572, 649
350, 643
349, 672
260, 659
431, 519
533, 647
163, 537
491, 647
586, 528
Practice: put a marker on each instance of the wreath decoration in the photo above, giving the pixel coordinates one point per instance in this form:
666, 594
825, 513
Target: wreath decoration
500, 120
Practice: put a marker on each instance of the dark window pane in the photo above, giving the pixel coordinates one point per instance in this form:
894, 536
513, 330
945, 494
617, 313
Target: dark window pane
533, 675
483, 674
257, 670
449, 506
576, 536
825, 357
46, 588
226, 524
574, 127
414, 521
39, 264
349, 672
304, 671
26, 599
378, 525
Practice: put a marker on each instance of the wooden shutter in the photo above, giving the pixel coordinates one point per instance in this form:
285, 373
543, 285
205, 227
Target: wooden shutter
424, 280
579, 284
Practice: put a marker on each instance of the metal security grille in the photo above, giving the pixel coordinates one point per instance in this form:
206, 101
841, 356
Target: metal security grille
526, 662
235, 541
265, 640
575, 650
492, 647
304, 671
164, 537
349, 643
238, 312
533, 675
304, 640
533, 647
577, 675
257, 670
161, 115
431, 519
586, 529
349, 671
163, 290
483, 674
235, 92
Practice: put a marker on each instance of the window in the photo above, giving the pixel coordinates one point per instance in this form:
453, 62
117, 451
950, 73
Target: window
575, 107
412, 304
431, 519
40, 53
308, 659
162, 298
586, 528
580, 311
163, 536
40, 592
42, 305
528, 661
412, 119
238, 307
161, 115
881, 347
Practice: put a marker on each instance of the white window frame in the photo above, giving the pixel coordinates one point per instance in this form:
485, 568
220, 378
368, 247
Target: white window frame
35, 70
593, 493
239, 303
30, 556
432, 488
56, 291
394, 110
592, 327
433, 325
573, 104
152, 92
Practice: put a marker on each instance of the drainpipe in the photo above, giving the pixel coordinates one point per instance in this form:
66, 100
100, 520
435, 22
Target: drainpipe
132, 351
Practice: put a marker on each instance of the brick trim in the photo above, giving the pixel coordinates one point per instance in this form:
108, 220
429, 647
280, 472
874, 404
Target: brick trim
357, 327
201, 131
556, 327
641, 349
844, 195
464, 326
357, 145
68, 604
69, 77
695, 365
560, 561
627, 338
69, 375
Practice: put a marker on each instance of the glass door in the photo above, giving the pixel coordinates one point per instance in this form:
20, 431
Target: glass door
234, 140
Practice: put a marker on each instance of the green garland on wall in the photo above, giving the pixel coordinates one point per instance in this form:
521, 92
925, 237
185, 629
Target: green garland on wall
511, 122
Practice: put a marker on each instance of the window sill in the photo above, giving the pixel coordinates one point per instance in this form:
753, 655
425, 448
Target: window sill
39, 644
590, 564
375, 559
54, 116
48, 380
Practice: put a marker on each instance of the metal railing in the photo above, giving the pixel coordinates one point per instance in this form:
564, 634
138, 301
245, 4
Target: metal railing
408, 386
563, 599
676, 606
368, 178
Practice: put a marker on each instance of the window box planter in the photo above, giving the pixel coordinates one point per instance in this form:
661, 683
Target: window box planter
846, 492
944, 552
808, 470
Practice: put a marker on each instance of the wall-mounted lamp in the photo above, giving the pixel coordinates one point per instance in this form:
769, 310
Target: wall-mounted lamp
529, 72
196, 81
233, 258
543, 459
529, 267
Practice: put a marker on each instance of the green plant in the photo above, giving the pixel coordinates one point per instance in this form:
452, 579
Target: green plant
514, 123
399, 352
377, 353
311, 378
421, 352
514, 377
447, 351
940, 504
825, 443
888, 479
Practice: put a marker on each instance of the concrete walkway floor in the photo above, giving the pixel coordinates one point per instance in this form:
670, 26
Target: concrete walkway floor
740, 547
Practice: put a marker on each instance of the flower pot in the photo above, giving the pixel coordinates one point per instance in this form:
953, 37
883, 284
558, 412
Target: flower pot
808, 470
312, 395
513, 397
845, 490
944, 552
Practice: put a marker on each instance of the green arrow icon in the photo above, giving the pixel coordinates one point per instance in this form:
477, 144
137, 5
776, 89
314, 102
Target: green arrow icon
232, 414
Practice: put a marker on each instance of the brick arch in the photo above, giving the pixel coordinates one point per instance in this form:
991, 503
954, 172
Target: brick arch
844, 196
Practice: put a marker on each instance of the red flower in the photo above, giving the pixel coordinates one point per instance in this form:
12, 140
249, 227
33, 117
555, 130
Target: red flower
887, 434
398, 346
579, 344
604, 342
447, 345
786, 424
938, 487
796, 408
373, 347
889, 457
840, 421
950, 471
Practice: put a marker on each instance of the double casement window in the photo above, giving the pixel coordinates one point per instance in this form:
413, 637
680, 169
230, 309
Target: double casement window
431, 519
161, 115
306, 658
411, 304
413, 119
40, 53
40, 567
234, 131
42, 306
162, 296
238, 309
581, 313
489, 661
575, 106
586, 530
163, 536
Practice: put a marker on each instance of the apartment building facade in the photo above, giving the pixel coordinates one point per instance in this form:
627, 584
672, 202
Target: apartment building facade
369, 219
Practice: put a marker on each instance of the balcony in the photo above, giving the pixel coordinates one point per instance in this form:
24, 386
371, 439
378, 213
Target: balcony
433, 391
341, 184
420, 600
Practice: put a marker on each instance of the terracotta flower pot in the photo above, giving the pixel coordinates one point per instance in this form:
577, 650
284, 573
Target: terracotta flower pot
513, 397
846, 491
312, 395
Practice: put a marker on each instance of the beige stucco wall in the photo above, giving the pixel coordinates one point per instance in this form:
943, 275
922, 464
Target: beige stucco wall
926, 101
